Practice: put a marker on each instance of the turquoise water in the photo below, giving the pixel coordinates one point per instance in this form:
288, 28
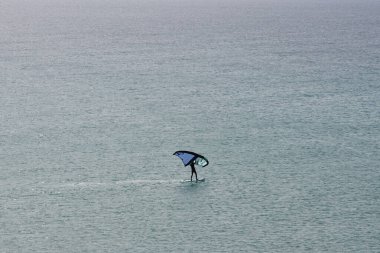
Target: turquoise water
282, 97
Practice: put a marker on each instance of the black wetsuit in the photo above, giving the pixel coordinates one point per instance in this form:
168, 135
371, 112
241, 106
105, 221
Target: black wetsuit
193, 171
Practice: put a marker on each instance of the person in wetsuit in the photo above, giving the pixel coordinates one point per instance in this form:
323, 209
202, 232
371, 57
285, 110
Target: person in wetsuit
193, 171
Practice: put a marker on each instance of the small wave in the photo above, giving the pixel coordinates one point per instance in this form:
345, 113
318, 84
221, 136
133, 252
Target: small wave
145, 181
115, 183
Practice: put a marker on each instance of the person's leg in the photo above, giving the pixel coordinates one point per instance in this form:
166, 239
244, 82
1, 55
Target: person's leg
196, 176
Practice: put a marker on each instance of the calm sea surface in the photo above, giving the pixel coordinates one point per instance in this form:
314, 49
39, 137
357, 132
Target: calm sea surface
283, 98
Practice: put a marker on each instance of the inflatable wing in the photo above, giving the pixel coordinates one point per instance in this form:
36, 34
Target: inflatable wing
188, 157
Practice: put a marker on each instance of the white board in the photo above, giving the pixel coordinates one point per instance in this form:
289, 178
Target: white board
194, 181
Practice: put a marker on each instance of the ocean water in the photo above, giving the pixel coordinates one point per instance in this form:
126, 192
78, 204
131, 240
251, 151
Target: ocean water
281, 96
